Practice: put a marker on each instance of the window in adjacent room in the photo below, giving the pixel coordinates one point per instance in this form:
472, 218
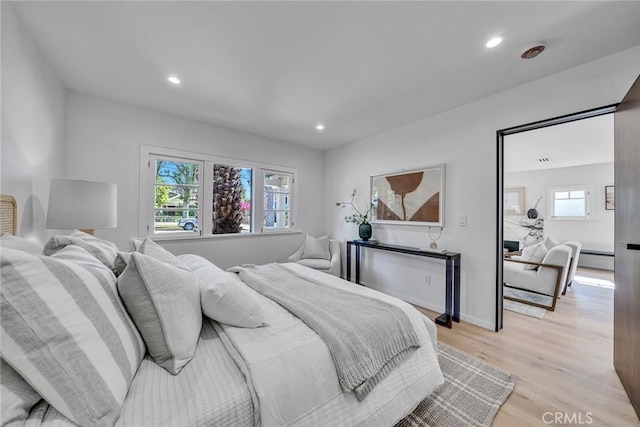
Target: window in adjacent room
569, 203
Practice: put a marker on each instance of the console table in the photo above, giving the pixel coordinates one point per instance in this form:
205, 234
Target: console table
452, 303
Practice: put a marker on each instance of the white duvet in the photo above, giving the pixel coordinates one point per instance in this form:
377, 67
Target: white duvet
294, 378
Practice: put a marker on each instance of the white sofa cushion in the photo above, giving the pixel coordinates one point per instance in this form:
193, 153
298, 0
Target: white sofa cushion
318, 264
65, 331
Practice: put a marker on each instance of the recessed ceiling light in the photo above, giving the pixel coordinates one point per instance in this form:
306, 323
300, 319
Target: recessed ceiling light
494, 42
174, 80
319, 127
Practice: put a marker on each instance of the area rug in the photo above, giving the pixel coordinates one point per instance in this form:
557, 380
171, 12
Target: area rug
525, 309
527, 296
471, 395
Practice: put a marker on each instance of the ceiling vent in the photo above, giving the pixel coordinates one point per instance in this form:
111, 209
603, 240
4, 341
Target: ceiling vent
532, 52
543, 159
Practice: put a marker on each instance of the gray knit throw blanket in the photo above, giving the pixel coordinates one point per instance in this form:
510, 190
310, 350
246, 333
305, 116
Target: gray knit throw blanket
367, 337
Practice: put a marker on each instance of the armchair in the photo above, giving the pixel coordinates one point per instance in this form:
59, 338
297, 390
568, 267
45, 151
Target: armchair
549, 279
331, 266
575, 255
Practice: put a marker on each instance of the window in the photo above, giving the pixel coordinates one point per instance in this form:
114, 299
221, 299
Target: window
193, 195
277, 198
231, 199
569, 203
176, 195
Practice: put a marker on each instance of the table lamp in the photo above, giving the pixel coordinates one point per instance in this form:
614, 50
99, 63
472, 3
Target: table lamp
83, 205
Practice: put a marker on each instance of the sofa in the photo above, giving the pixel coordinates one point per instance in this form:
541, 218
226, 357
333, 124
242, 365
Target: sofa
547, 276
95, 336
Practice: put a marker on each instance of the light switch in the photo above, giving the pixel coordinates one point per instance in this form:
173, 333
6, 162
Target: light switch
462, 221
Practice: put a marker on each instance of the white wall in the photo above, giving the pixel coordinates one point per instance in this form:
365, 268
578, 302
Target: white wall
465, 140
597, 232
103, 140
33, 100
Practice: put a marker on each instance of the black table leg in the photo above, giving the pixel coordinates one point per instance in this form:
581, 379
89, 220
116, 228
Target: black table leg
348, 261
358, 265
445, 318
456, 289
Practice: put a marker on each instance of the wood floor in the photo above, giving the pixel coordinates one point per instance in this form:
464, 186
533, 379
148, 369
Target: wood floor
563, 362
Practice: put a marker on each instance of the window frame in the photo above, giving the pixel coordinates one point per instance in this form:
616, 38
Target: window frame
551, 206
205, 197
292, 186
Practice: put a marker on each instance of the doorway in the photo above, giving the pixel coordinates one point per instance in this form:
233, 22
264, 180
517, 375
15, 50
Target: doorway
518, 204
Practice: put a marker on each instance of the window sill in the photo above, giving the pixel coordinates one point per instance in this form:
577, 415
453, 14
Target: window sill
224, 236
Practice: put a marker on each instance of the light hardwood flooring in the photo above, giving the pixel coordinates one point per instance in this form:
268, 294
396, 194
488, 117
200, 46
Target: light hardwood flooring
563, 362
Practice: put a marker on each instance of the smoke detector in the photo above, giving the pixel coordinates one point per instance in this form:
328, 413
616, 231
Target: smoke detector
532, 52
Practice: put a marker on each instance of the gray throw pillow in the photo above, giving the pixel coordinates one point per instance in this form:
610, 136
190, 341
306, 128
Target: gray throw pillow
164, 303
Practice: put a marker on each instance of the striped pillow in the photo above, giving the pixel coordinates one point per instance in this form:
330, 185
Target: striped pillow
64, 329
104, 250
16, 396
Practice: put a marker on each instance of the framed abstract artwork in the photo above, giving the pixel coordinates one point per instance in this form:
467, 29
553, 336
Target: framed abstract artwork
609, 197
414, 197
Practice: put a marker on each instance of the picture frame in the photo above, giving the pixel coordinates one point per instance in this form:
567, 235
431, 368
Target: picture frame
409, 197
514, 201
609, 197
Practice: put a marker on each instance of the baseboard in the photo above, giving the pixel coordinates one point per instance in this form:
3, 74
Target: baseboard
430, 306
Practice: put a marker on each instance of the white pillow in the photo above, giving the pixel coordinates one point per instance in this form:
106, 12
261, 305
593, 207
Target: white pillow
62, 315
223, 296
151, 248
316, 248
534, 253
164, 303
550, 242
20, 243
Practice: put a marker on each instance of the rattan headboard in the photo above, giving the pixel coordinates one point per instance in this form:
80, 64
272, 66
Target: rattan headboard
8, 214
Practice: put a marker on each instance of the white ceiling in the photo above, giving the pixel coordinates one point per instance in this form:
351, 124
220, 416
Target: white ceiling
278, 68
583, 142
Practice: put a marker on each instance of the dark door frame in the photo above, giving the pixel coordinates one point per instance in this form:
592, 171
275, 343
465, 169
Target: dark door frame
594, 112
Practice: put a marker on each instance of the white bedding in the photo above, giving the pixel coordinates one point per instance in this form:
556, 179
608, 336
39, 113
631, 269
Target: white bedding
291, 372
295, 380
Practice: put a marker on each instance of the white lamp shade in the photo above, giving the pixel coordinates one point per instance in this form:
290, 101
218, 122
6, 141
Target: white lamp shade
82, 204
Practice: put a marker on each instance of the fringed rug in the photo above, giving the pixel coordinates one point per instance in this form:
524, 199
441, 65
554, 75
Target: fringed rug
471, 395
526, 309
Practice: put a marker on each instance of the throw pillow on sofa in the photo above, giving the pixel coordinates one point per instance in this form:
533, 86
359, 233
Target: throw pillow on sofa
164, 303
66, 332
316, 248
223, 296
534, 253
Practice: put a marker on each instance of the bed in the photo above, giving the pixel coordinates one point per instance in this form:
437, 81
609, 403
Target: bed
281, 373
